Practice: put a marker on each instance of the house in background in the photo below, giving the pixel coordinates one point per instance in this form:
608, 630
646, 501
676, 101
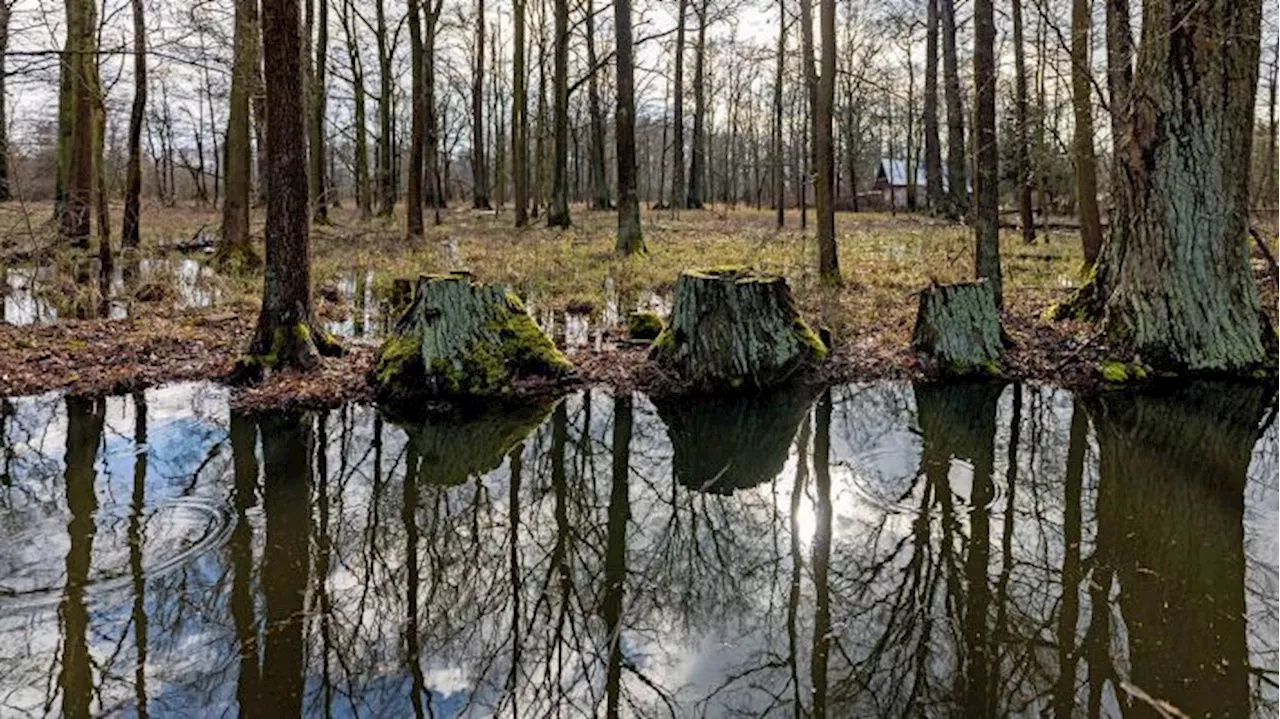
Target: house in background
891, 182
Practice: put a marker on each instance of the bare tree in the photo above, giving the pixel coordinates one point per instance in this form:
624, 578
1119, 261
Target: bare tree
1086, 161
630, 240
986, 186
824, 149
133, 174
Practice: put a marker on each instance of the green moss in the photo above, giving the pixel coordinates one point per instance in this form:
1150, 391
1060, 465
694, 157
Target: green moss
1114, 371
810, 339
993, 368
392, 356
644, 326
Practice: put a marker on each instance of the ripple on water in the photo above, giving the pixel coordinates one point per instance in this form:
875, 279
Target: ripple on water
904, 494
174, 533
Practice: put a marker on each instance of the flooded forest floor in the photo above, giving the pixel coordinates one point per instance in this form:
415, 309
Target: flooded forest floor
163, 314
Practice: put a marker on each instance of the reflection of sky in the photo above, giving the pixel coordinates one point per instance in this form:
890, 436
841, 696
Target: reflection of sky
706, 598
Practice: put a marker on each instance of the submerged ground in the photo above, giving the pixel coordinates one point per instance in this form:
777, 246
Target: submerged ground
872, 549
172, 317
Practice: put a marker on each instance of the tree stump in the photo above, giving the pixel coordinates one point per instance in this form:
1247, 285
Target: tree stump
958, 328
734, 328
460, 338
455, 446
727, 443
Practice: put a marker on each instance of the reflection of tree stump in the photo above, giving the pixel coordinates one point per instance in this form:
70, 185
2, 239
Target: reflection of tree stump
725, 443
460, 338
958, 328
458, 446
734, 328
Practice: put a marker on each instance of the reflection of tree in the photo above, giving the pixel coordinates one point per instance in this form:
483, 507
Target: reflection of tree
615, 572
84, 432
1173, 468
821, 556
1072, 574
734, 442
244, 461
286, 567
136, 540
460, 445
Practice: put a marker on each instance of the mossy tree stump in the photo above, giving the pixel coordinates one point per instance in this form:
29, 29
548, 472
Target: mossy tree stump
958, 328
734, 328
460, 338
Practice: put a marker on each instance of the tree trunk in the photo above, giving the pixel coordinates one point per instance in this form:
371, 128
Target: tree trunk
133, 174
1184, 296
234, 248
316, 150
386, 171
986, 186
479, 169
364, 199
286, 335
630, 239
600, 198
958, 328
6, 192
79, 64
558, 212
932, 142
435, 187
734, 329
697, 166
1021, 152
1086, 162
258, 103
413, 197
779, 174
520, 118
957, 177
824, 150
460, 338
677, 116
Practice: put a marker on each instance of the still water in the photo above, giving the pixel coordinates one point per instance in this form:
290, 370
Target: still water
868, 550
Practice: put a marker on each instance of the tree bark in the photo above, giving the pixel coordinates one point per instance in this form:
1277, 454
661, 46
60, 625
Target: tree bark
364, 198
414, 175
520, 118
957, 176
932, 142
558, 212
824, 150
137, 113
1184, 296
734, 329
779, 165
1021, 153
79, 63
234, 247
677, 114
479, 168
386, 171
987, 176
1086, 162
6, 192
600, 198
316, 149
697, 169
958, 328
630, 239
286, 335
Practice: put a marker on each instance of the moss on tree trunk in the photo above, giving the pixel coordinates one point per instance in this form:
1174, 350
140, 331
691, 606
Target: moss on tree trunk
733, 328
460, 338
958, 328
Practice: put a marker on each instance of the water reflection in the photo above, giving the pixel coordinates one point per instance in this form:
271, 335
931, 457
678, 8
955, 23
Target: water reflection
870, 550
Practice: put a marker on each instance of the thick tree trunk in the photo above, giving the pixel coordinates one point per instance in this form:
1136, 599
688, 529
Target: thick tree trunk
932, 142
734, 329
434, 193
6, 192
234, 248
958, 328
286, 335
779, 173
80, 63
558, 211
1021, 152
957, 177
386, 130
137, 114
1085, 160
460, 338
1184, 297
986, 184
630, 239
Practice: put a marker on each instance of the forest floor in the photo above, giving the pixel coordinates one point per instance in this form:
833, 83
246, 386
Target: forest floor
171, 318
